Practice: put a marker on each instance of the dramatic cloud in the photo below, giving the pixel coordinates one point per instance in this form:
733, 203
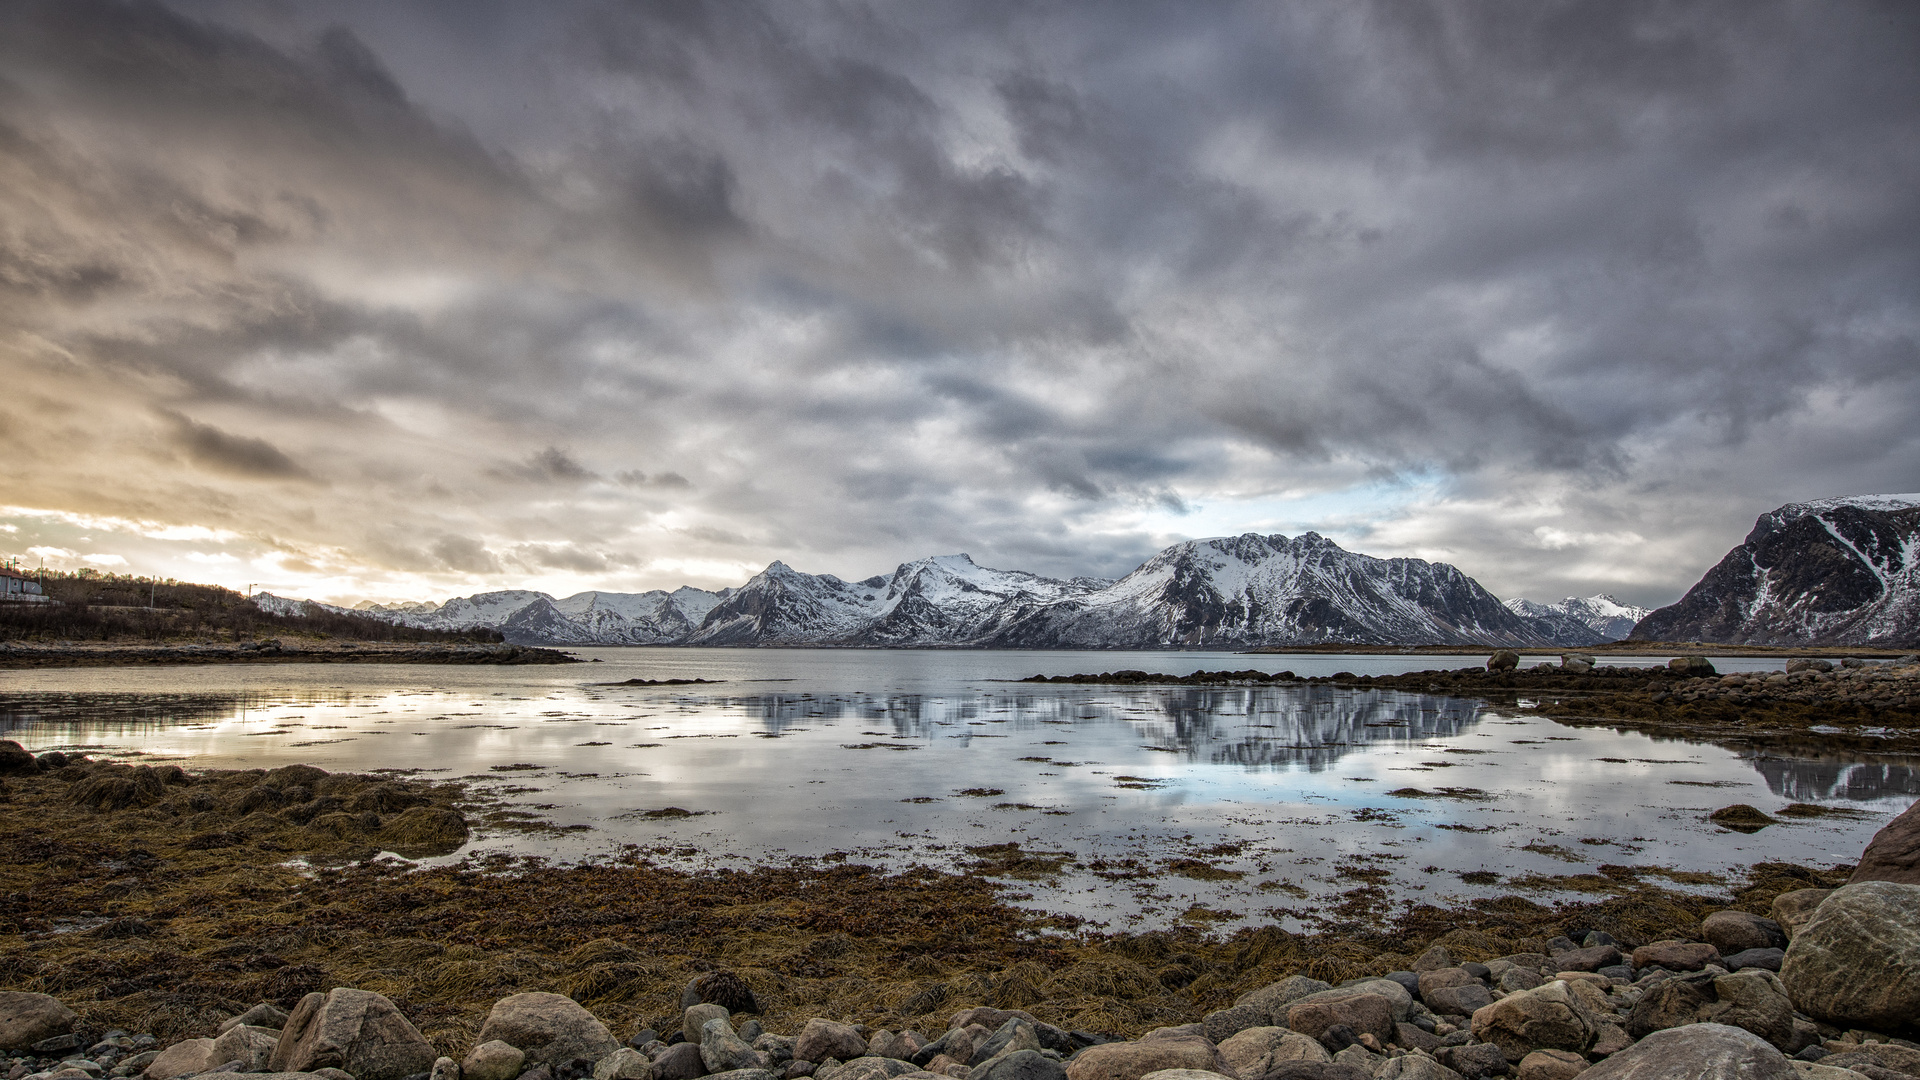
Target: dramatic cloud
405, 299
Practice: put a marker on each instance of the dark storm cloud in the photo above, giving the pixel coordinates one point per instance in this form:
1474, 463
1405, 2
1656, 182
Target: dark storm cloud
1562, 291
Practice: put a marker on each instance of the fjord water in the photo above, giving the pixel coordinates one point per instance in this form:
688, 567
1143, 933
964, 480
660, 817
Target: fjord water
1219, 805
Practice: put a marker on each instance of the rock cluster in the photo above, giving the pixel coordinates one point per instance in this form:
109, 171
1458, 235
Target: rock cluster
1884, 686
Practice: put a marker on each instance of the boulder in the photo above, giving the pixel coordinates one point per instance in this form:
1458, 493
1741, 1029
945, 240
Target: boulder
444, 1068
1503, 660
1255, 1051
27, 1018
1696, 1052
1592, 959
822, 1039
1769, 959
695, 1017
1901, 1059
1463, 1000
1894, 852
1022, 1065
1399, 999
1737, 931
868, 1068
749, 1074
1557, 1016
182, 1058
1856, 963
1792, 909
1413, 1037
681, 1061
1415, 1067
266, 1015
1275, 997
1177, 1074
1474, 1061
492, 1060
1315, 1070
1753, 1000
1435, 958
1692, 666
1551, 1065
549, 1028
1676, 955
887, 1044
723, 1051
1014, 1036
1365, 1014
357, 1031
1226, 1023
244, 1042
1133, 1060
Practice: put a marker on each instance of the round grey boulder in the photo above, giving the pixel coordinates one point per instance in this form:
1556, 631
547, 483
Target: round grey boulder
1696, 1052
549, 1028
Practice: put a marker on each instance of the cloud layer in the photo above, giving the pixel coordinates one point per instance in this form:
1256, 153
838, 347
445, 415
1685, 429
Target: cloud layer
409, 299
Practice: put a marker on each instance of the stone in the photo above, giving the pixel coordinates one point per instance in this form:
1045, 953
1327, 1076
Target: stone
778, 1048
1589, 959
266, 1015
1022, 1065
1671, 1003
1473, 1061
1435, 958
1398, 998
988, 1018
723, 1051
1576, 663
1255, 1051
957, 1040
1459, 1000
1856, 963
358, 1031
1370, 1014
1133, 1060
1503, 660
1275, 997
444, 1068
1768, 959
1014, 1035
680, 1062
889, 1045
1414, 1037
1314, 1070
1692, 666
749, 1074
1226, 1023
1415, 1067
1894, 852
244, 1042
1792, 909
868, 1068
1737, 931
722, 988
1557, 1016
1551, 1065
186, 1056
1676, 955
1358, 1057
1611, 1040
1886, 1055
549, 1028
821, 1039
694, 1018
1810, 1071
27, 1018
492, 1060
1696, 1052
1178, 1074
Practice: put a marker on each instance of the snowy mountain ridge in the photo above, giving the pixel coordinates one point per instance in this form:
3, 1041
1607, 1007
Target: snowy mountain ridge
1608, 618
1226, 592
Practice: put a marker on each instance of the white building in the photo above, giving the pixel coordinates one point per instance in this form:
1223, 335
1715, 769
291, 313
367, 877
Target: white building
18, 588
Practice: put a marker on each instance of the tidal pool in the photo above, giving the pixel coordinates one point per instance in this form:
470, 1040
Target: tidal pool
1134, 807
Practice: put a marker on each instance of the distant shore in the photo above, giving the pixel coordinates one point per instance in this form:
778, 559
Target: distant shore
16, 654
1617, 648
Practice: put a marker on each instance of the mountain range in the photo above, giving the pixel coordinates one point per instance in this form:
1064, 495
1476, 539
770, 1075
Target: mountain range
1839, 571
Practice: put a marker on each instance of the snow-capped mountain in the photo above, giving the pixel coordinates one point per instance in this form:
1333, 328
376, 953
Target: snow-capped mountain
1600, 616
1229, 592
1833, 572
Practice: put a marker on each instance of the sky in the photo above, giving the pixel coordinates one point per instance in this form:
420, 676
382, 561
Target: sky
406, 300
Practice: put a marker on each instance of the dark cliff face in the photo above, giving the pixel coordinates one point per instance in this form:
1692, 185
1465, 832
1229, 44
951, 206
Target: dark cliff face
1833, 573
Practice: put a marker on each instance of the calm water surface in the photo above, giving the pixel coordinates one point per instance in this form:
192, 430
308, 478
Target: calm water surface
1223, 806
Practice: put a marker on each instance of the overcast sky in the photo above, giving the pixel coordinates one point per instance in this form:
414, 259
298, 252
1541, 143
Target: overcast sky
409, 300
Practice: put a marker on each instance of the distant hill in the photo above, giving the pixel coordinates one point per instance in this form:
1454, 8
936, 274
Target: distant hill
1834, 572
1583, 620
1228, 592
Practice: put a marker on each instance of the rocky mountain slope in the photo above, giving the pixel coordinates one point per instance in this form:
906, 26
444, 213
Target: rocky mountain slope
1834, 572
1583, 620
1228, 592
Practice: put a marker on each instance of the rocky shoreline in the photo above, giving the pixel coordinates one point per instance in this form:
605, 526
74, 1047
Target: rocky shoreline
18, 654
147, 915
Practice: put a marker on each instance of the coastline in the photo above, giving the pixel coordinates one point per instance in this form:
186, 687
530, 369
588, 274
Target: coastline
270, 651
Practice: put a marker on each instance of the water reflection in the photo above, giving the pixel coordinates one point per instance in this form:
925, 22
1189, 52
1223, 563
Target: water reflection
1850, 778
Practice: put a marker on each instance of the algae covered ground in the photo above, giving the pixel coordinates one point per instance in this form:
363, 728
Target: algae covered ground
164, 901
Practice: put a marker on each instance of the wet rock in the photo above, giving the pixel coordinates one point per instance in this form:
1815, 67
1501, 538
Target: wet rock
355, 1030
182, 1058
1792, 909
1696, 1052
1255, 1051
1894, 852
1768, 959
1315, 1070
821, 1039
721, 1050
1226, 1023
722, 988
1473, 1061
266, 1015
27, 1018
1415, 1067
549, 1028
1275, 997
1737, 931
1588, 959
1551, 1065
1856, 963
681, 1062
1370, 1014
1676, 955
492, 1060
1024, 1065
244, 1042
1132, 1060
1557, 1016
